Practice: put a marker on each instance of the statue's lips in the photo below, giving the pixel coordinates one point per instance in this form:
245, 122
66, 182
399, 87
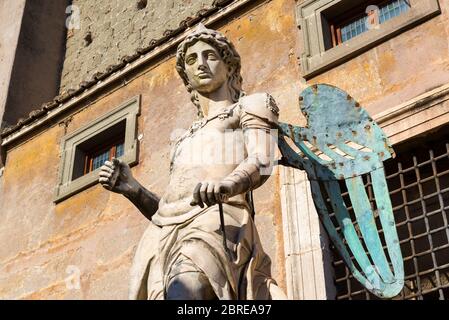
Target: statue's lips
204, 75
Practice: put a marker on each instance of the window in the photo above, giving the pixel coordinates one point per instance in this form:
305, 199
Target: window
335, 31
360, 19
418, 181
92, 153
85, 150
95, 160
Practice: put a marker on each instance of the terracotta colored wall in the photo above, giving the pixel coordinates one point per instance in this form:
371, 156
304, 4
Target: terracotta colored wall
98, 231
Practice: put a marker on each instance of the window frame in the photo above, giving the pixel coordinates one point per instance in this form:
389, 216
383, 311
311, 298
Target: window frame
128, 111
317, 58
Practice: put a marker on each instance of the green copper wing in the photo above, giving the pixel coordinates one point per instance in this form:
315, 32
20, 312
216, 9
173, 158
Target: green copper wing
342, 142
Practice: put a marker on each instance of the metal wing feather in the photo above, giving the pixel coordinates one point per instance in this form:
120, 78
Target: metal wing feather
344, 143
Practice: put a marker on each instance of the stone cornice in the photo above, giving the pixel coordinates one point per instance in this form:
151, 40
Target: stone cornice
417, 116
425, 100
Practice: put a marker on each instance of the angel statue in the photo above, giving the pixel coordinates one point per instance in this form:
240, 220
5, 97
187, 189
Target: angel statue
208, 246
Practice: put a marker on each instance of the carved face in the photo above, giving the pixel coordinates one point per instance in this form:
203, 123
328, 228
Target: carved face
204, 67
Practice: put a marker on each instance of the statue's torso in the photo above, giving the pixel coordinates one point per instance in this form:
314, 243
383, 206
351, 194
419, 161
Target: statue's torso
208, 153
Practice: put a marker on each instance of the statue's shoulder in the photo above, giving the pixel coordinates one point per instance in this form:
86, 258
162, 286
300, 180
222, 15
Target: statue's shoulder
261, 105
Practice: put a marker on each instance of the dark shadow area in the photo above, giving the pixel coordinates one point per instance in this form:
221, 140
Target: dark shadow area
39, 57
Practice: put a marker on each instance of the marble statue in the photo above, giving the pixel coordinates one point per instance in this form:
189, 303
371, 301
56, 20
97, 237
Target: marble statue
224, 155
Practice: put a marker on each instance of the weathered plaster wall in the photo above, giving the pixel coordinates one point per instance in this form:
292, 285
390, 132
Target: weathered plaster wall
96, 231
117, 29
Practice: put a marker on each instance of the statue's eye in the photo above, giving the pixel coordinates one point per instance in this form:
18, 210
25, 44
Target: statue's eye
190, 60
212, 56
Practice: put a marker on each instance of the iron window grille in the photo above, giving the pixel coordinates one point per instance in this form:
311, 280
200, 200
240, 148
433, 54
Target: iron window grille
418, 180
96, 158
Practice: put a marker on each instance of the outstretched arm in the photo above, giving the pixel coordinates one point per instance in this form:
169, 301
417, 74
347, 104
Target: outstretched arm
116, 176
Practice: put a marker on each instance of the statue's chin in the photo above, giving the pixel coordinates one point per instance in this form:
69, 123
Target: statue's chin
207, 90
206, 86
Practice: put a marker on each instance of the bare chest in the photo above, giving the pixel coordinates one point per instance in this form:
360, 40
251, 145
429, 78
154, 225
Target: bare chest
217, 141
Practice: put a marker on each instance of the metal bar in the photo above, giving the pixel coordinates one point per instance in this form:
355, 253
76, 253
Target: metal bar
426, 221
428, 280
223, 231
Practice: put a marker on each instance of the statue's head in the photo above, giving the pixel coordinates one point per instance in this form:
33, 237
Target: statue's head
206, 60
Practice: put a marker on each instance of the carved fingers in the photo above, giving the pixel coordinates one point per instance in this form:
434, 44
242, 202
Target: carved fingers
106, 173
203, 195
196, 197
114, 175
210, 193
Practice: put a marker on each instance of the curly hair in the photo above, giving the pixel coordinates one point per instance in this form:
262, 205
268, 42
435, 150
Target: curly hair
227, 52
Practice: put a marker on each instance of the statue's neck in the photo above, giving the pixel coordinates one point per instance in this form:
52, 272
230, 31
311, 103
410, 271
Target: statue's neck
214, 102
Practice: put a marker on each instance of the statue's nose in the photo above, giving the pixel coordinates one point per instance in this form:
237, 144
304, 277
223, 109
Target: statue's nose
202, 62
202, 67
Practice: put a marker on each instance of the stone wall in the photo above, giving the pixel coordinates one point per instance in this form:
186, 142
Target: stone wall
94, 233
117, 28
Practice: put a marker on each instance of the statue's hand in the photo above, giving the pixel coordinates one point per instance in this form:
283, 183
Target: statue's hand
116, 176
209, 193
